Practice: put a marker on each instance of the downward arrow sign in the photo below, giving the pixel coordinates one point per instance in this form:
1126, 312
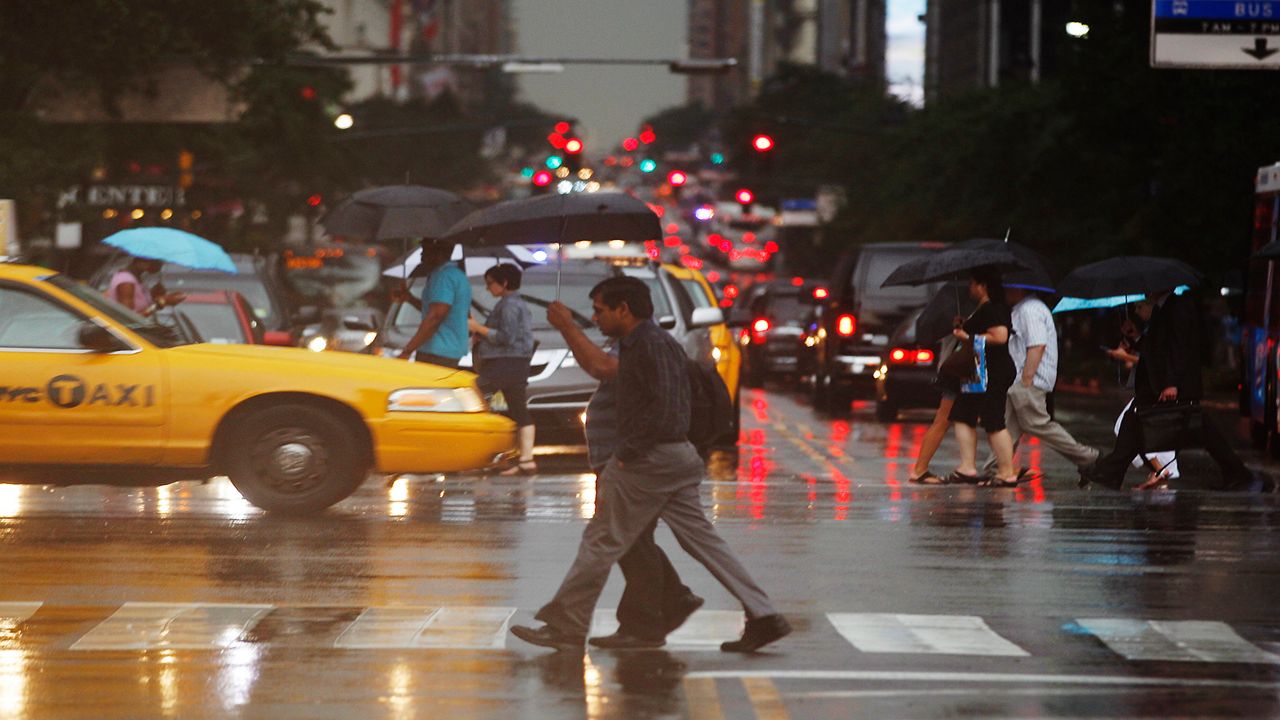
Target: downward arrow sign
1260, 49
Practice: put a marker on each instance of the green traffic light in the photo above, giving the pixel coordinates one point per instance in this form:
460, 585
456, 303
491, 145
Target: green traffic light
526, 172
648, 165
717, 158
554, 161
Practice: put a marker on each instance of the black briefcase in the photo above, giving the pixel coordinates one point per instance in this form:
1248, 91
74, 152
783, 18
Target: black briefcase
1170, 426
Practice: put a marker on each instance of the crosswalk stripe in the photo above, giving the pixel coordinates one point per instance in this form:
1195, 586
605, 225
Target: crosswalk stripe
765, 699
172, 626
453, 627
12, 613
704, 630
1189, 640
931, 634
702, 698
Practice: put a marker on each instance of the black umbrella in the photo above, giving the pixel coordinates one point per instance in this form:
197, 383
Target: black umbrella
397, 212
1127, 275
547, 219
951, 264
1036, 276
937, 319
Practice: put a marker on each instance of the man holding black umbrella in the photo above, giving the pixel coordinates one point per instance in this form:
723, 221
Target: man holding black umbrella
445, 306
1168, 371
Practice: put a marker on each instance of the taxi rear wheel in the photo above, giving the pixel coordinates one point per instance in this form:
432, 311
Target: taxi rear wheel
295, 459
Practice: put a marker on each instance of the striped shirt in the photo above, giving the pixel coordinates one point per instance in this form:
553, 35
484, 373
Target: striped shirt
654, 404
1033, 325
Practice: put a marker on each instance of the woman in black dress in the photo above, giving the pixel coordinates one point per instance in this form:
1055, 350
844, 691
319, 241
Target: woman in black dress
986, 409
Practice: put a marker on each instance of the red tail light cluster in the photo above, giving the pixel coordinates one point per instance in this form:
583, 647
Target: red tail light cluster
900, 356
846, 325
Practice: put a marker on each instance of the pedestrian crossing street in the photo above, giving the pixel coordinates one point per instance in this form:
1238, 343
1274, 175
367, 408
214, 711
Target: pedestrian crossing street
218, 626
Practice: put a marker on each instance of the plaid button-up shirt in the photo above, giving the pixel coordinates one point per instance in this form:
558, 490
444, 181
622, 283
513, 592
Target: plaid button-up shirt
653, 391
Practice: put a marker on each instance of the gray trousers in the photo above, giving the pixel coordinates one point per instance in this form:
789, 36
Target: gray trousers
662, 485
1026, 413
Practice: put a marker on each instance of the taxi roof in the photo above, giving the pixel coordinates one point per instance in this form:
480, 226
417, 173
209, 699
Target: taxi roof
24, 272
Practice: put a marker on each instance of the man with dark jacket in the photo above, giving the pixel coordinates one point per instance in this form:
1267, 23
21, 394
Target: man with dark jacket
1168, 371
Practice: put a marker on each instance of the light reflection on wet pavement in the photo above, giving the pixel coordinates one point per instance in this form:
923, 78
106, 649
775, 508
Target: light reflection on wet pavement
909, 601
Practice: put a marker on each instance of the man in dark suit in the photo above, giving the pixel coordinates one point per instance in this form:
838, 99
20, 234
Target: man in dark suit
1168, 371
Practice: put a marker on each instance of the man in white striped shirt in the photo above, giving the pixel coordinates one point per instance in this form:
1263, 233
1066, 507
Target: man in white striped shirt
1034, 348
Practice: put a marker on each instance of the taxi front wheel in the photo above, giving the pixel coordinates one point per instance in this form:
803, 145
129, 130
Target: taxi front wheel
295, 459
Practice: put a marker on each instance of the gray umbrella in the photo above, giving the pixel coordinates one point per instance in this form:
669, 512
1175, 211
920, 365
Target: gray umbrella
547, 219
951, 264
1036, 276
397, 212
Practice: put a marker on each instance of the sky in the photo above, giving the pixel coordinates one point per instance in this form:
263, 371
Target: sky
610, 101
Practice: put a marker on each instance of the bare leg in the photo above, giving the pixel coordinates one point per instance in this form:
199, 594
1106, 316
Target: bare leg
967, 439
933, 438
1002, 446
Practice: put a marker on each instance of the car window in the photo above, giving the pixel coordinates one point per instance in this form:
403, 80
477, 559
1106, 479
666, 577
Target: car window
30, 321
216, 322
161, 336
787, 306
251, 287
876, 268
339, 279
697, 293
661, 302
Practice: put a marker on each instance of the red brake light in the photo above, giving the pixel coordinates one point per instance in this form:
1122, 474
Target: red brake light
820, 293
924, 357
898, 355
846, 325
761, 325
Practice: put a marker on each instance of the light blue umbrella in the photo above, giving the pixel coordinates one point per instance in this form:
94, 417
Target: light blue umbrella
1068, 304
172, 246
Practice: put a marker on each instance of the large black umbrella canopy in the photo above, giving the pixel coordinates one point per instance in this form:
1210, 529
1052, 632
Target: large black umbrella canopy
951, 264
1035, 276
549, 219
397, 212
1127, 275
936, 320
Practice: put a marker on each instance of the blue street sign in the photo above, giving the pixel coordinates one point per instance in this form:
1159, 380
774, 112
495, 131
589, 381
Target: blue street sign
1264, 10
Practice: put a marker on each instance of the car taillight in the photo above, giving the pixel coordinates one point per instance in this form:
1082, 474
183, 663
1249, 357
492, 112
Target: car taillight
760, 326
924, 357
846, 325
901, 356
898, 355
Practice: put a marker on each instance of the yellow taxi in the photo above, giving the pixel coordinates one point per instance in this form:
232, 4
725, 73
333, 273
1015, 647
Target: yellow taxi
92, 392
726, 352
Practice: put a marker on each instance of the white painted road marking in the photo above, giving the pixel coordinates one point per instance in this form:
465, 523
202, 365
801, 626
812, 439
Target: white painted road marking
1189, 641
928, 634
704, 630
973, 677
454, 627
12, 613
172, 626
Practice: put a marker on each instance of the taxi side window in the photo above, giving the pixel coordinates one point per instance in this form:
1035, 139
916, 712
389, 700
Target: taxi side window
28, 321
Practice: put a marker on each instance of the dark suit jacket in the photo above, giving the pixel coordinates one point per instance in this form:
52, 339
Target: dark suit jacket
1171, 352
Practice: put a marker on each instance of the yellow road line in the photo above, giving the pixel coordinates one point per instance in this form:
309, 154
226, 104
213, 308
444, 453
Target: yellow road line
703, 699
765, 698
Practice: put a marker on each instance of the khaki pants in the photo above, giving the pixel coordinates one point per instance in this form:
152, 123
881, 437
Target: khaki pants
1026, 413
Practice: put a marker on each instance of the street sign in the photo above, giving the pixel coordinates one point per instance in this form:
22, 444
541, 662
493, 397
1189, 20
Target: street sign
1209, 34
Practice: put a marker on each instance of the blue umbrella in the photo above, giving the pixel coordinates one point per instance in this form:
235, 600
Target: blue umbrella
172, 246
1068, 304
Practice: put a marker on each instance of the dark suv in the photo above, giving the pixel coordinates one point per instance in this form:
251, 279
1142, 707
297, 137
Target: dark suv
854, 324
773, 317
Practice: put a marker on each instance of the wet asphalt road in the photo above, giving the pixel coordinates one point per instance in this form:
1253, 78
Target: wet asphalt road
908, 602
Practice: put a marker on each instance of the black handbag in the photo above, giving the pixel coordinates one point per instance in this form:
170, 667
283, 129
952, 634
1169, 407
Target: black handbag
960, 366
1170, 426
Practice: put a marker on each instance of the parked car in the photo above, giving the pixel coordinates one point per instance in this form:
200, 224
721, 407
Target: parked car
852, 327
350, 330
100, 394
905, 378
773, 319
559, 389
220, 317
257, 278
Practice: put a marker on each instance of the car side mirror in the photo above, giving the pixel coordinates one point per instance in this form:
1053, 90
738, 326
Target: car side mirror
667, 322
306, 315
98, 339
706, 317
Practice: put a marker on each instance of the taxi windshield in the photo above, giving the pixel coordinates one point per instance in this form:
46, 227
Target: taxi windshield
160, 335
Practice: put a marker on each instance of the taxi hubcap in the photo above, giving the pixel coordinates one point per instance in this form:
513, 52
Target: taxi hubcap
290, 459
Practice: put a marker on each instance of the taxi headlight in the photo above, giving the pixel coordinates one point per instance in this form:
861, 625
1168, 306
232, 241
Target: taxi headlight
318, 344
463, 399
716, 354
369, 337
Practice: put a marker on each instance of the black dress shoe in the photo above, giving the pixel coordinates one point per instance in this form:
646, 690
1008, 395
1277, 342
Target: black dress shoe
688, 606
1090, 474
622, 641
547, 636
758, 633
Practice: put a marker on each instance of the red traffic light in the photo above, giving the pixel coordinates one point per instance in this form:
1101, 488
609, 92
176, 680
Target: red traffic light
630, 144
542, 178
647, 136
744, 196
573, 146
562, 127
676, 178
762, 143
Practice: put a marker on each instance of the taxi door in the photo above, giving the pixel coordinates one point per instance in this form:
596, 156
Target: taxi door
62, 403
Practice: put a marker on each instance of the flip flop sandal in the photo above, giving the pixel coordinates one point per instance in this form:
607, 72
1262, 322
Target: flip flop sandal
928, 478
959, 478
1026, 474
995, 482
